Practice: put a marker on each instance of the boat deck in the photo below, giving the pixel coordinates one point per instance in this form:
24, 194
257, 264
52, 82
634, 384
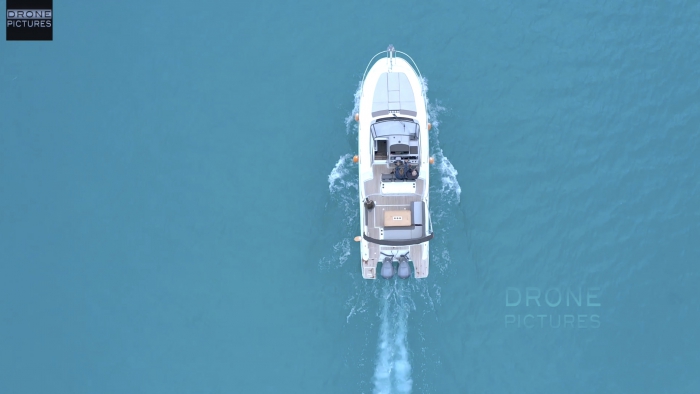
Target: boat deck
375, 223
420, 264
373, 186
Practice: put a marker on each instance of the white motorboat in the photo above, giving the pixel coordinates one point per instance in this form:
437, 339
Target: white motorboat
393, 159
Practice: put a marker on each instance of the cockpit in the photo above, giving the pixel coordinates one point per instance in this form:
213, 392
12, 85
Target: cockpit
395, 142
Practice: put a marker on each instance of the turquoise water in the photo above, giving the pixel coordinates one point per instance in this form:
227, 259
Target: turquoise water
177, 201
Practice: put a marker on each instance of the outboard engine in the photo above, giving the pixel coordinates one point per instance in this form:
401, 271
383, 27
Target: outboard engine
388, 268
404, 267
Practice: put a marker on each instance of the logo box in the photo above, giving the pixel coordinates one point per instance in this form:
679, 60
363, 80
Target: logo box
29, 20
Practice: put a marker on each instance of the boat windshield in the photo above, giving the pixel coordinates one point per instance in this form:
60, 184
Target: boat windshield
400, 126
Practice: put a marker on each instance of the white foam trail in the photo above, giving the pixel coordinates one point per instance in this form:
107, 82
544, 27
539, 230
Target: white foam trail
402, 365
382, 370
448, 186
342, 183
392, 373
445, 192
337, 179
341, 252
350, 124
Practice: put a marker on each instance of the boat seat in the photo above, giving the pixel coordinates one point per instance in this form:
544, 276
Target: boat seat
403, 230
417, 208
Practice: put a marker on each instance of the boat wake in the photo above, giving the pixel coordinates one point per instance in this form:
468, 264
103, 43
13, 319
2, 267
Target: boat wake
350, 124
342, 184
392, 372
447, 188
445, 191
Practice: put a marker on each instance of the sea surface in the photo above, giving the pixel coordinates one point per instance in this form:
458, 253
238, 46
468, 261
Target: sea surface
178, 200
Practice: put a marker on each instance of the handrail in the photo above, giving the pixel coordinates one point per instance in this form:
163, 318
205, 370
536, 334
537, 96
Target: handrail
398, 242
417, 69
430, 222
362, 88
387, 51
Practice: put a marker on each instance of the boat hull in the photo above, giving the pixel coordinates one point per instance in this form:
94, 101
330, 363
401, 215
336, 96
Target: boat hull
392, 196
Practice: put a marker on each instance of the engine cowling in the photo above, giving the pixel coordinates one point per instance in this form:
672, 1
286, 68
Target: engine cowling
387, 270
404, 268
